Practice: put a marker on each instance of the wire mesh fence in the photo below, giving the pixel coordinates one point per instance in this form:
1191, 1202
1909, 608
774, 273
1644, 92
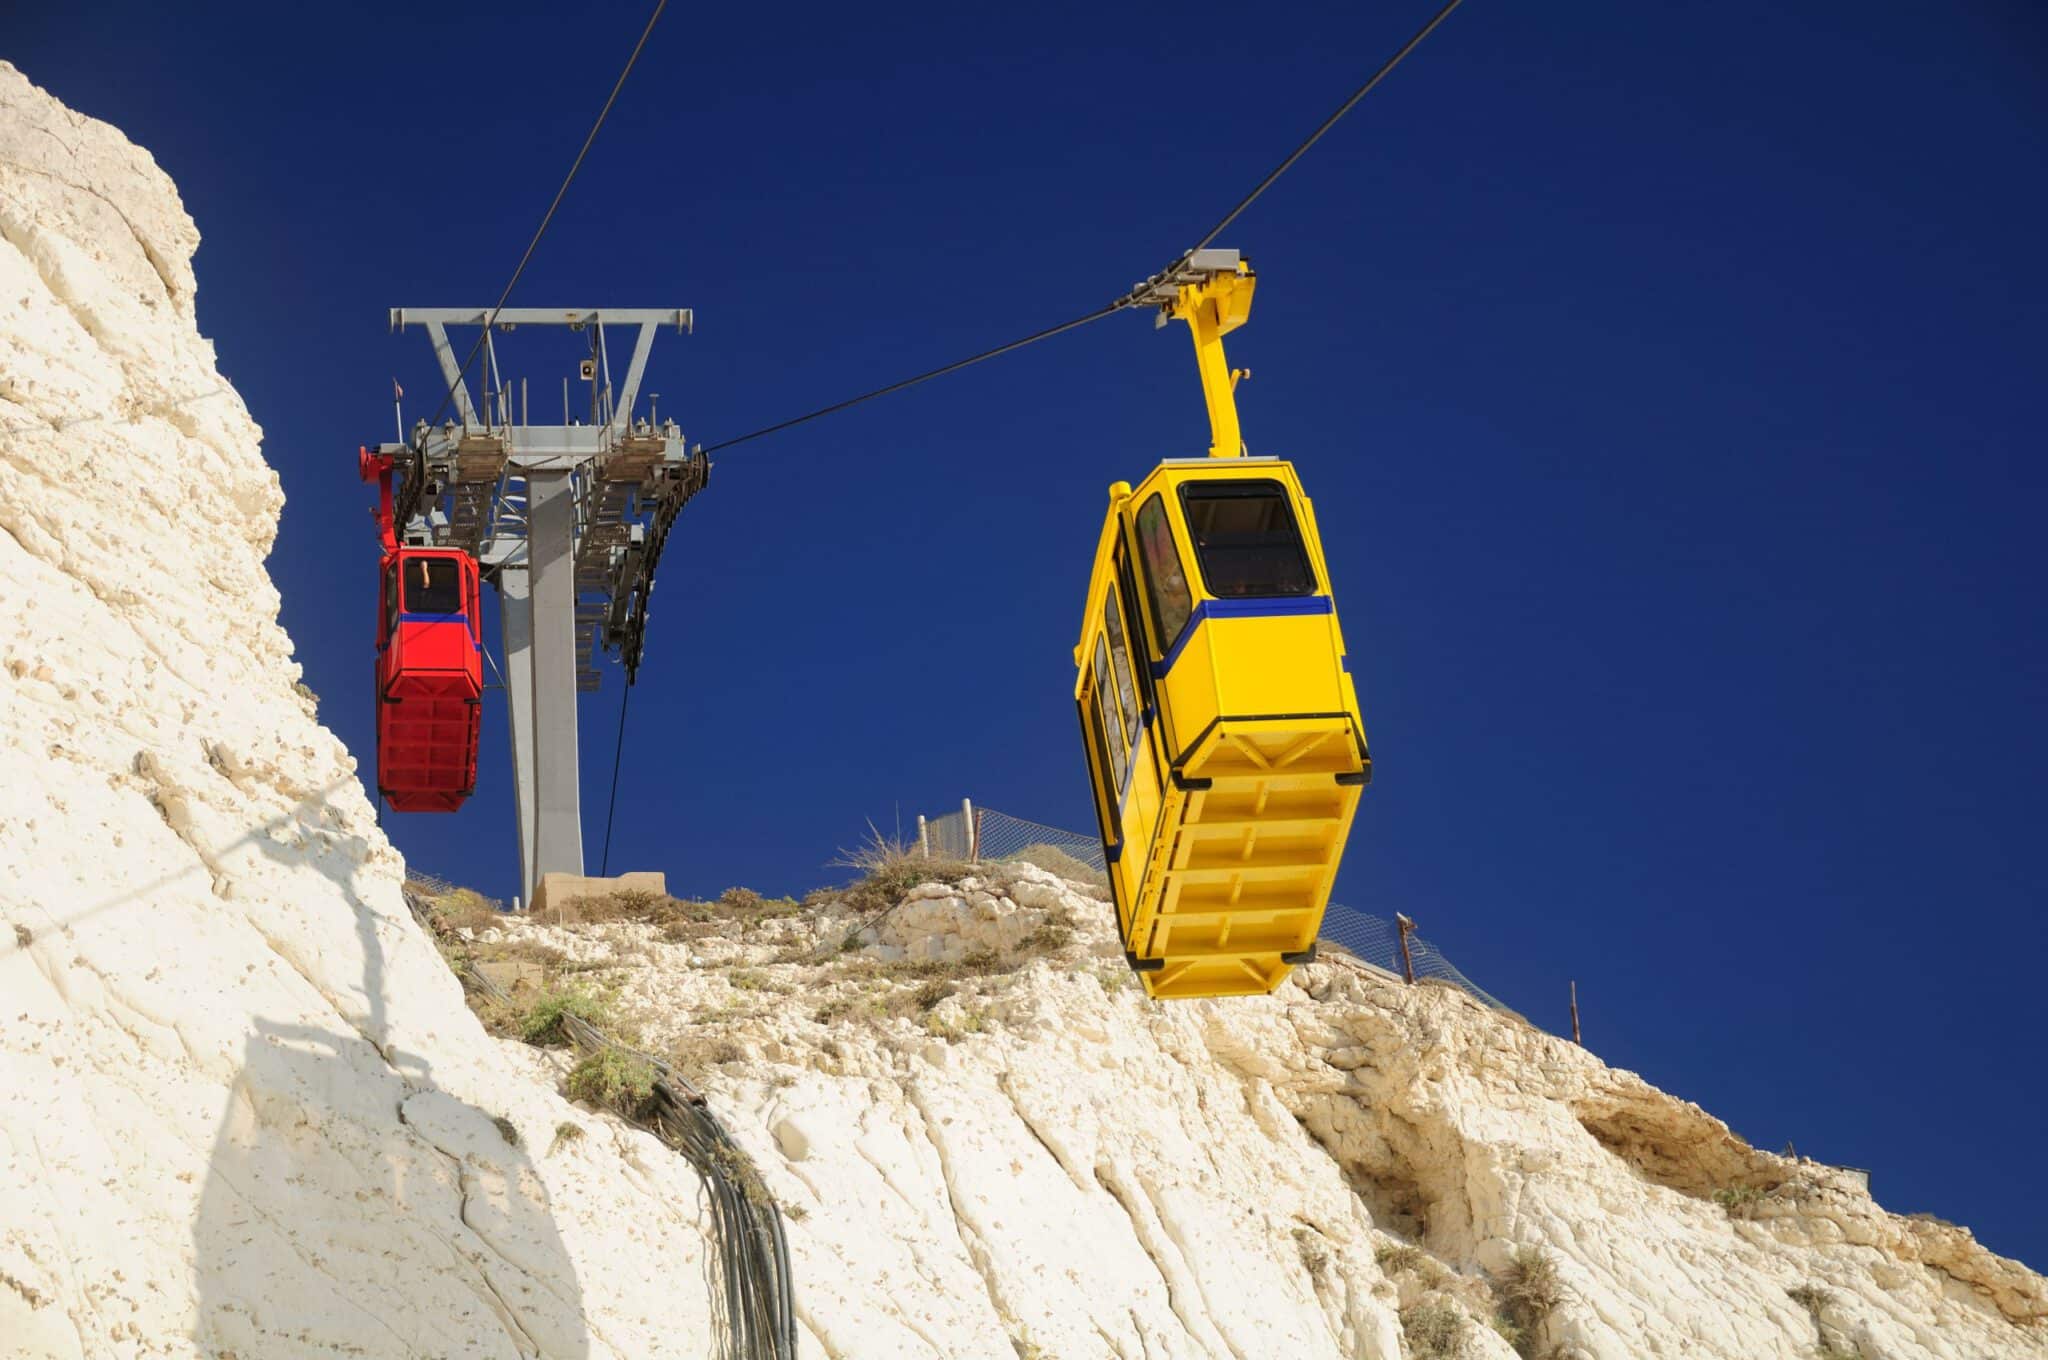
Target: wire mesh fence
977, 833
1377, 941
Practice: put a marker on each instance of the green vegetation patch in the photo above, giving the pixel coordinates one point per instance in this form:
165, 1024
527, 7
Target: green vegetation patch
544, 1022
611, 1080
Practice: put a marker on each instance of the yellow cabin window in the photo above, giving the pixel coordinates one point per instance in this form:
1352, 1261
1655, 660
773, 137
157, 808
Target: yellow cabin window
1165, 579
1245, 540
1105, 708
1105, 797
1120, 657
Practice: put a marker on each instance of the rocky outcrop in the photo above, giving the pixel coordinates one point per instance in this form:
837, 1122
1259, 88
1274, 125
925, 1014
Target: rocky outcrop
989, 1144
243, 1108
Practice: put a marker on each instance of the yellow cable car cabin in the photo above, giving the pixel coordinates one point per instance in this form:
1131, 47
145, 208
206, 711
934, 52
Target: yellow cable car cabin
1222, 730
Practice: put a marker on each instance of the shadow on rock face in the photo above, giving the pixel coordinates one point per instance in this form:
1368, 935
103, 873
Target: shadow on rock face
348, 1212
352, 1208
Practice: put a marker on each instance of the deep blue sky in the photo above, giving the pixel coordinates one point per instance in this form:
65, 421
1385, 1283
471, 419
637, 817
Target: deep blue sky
1668, 379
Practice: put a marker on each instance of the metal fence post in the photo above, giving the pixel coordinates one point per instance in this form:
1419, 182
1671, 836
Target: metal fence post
924, 839
1406, 927
1575, 1010
970, 830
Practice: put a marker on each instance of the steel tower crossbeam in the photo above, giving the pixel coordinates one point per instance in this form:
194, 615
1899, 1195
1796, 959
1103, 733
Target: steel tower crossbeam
567, 521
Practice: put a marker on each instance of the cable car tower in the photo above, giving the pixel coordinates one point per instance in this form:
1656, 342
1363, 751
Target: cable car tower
567, 521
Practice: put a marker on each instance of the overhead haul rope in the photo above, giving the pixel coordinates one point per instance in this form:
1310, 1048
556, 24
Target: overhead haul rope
1361, 92
955, 367
1138, 295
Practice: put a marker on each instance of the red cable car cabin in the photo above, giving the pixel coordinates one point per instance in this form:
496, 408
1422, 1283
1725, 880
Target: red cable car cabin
430, 679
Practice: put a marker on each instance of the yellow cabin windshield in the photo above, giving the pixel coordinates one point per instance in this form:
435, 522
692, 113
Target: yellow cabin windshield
1245, 540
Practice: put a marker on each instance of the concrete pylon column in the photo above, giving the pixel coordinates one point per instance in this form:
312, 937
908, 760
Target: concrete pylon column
551, 563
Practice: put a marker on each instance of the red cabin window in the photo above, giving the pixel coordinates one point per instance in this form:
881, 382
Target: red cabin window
433, 585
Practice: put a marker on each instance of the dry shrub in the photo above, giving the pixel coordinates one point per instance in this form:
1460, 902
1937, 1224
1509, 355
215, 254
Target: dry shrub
611, 1080
1740, 1201
1113, 978
694, 1055
1051, 936
750, 909
972, 1020
452, 909
1412, 1260
1434, 1331
1811, 1297
507, 1130
841, 1007
1314, 1251
683, 931
624, 904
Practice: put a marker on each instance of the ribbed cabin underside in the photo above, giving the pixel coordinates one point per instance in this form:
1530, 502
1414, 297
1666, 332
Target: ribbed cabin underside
1246, 856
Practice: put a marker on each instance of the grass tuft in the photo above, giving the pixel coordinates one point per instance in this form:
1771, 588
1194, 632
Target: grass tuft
890, 867
1815, 1299
1529, 1291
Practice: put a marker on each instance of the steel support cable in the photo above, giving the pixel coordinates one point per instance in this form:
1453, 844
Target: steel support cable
611, 804
1137, 296
1361, 92
549, 216
971, 360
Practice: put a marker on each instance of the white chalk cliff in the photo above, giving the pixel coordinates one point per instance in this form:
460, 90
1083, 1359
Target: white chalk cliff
245, 1111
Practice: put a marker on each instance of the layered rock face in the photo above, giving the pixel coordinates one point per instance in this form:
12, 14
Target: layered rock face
243, 1108
989, 1144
